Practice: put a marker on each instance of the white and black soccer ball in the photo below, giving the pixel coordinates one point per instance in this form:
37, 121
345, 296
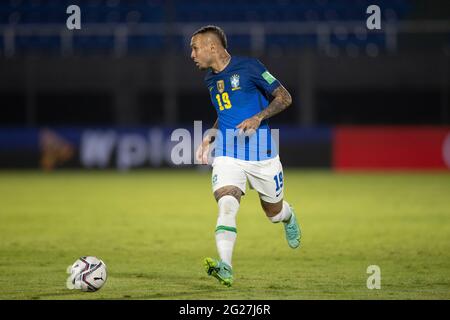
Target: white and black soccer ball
87, 274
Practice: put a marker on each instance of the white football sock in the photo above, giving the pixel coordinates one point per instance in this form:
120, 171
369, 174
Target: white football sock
284, 215
226, 227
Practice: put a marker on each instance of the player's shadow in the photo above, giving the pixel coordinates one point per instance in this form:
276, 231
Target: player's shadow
174, 295
188, 286
77, 295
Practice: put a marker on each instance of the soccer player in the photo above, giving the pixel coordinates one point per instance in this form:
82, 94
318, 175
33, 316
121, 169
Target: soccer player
239, 89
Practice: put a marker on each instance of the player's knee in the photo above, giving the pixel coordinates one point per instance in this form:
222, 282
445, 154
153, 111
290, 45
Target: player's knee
272, 210
228, 191
228, 205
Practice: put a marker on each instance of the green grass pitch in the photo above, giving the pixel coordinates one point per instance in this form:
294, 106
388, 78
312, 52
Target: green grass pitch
153, 229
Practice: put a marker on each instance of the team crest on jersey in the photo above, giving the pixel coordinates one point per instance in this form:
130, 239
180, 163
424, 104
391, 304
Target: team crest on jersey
234, 82
220, 86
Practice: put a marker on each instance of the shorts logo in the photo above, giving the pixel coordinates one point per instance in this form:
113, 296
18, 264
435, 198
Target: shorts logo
234, 82
214, 179
220, 86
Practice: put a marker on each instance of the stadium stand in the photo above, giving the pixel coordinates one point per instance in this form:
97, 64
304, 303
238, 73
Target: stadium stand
38, 14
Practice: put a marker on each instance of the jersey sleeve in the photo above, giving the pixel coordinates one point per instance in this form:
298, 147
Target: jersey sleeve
261, 77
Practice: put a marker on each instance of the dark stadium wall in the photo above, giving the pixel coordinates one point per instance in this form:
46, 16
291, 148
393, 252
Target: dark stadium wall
406, 88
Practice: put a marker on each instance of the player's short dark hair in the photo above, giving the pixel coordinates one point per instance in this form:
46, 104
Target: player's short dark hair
216, 30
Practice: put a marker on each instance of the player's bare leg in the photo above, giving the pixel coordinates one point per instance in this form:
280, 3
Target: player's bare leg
228, 191
228, 199
282, 211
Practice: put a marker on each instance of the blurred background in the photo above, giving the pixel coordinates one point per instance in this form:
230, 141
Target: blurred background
110, 94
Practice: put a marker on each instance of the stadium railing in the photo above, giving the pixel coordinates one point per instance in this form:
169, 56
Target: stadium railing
122, 39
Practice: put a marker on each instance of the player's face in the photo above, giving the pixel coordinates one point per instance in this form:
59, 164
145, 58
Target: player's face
200, 52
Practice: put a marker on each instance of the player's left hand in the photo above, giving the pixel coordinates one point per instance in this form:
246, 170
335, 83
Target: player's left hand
249, 126
201, 155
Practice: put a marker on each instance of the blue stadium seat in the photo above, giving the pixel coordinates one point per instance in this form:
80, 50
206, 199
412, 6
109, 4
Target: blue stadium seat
198, 12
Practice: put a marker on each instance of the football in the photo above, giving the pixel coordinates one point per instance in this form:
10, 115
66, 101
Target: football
87, 274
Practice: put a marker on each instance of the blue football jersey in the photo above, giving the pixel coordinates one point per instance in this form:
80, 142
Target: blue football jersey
239, 92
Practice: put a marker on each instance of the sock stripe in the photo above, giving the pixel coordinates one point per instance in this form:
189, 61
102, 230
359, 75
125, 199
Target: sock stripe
226, 228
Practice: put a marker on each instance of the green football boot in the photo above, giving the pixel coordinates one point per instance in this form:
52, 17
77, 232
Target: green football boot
292, 231
219, 270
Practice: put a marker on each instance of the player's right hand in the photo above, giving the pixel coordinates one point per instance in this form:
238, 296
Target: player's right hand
201, 155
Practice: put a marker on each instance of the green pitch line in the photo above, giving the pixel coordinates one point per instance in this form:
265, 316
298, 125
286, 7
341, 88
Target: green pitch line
146, 224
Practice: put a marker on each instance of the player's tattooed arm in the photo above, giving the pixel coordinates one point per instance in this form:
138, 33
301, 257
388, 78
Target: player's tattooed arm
211, 138
282, 100
216, 124
201, 154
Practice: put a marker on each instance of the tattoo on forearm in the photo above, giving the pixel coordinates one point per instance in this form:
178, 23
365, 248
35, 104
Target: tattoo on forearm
282, 101
212, 138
